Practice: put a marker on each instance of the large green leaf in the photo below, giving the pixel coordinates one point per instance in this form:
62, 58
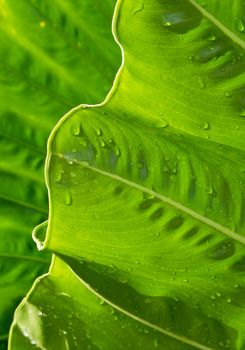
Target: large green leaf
147, 189
49, 62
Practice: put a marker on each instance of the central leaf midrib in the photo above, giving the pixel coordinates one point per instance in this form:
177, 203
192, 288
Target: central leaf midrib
215, 225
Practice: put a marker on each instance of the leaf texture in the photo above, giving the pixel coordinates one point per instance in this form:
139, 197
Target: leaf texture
147, 189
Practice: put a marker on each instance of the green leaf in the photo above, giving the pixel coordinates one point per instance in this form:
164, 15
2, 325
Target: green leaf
48, 63
78, 316
147, 189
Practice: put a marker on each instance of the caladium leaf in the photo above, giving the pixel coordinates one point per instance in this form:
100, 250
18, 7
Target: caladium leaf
147, 189
48, 63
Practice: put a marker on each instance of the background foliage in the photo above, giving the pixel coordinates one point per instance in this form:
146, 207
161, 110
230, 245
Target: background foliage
53, 56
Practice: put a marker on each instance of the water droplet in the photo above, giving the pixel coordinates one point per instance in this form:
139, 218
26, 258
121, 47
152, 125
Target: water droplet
240, 26
58, 175
162, 123
156, 343
68, 198
242, 112
211, 37
98, 132
123, 280
185, 280
210, 190
42, 24
112, 311
147, 195
228, 94
85, 163
101, 302
228, 300
147, 300
76, 129
117, 151
102, 143
205, 126
166, 23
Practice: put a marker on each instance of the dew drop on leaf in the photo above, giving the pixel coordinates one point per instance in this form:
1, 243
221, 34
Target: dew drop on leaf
242, 112
123, 280
76, 129
68, 198
240, 26
205, 125
147, 195
162, 123
166, 23
210, 190
98, 132
58, 175
228, 94
101, 302
117, 152
102, 143
156, 343
211, 37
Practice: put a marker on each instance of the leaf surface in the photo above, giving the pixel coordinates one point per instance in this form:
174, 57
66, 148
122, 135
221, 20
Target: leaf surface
147, 189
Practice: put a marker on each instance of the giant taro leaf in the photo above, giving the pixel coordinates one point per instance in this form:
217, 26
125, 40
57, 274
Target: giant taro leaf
147, 194
48, 63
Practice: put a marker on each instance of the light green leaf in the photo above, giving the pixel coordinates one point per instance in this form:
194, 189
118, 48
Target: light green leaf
48, 63
147, 189
79, 317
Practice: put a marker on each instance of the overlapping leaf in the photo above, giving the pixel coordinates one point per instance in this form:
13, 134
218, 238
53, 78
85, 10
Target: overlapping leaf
147, 191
